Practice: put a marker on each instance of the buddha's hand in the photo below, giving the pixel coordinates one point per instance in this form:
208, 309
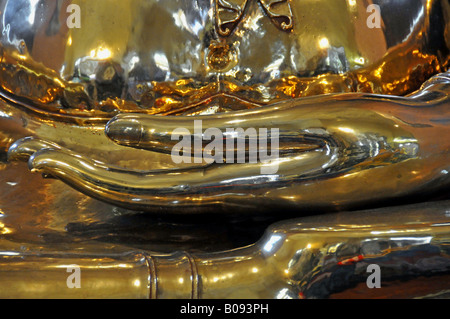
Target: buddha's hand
343, 149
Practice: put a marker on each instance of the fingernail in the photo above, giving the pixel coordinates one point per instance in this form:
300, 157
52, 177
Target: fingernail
124, 131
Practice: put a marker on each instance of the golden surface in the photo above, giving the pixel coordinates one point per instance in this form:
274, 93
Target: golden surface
335, 152
115, 69
363, 115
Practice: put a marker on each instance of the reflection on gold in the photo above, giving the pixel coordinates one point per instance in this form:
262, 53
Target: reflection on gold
274, 64
101, 53
4, 230
46, 90
218, 82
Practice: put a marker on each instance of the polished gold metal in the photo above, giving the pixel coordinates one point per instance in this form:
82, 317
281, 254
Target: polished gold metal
230, 13
363, 118
316, 257
337, 141
125, 66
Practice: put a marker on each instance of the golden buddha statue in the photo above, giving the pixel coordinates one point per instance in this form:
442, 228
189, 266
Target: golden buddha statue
354, 95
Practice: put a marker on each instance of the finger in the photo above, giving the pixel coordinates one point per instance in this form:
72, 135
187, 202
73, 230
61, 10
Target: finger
200, 186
